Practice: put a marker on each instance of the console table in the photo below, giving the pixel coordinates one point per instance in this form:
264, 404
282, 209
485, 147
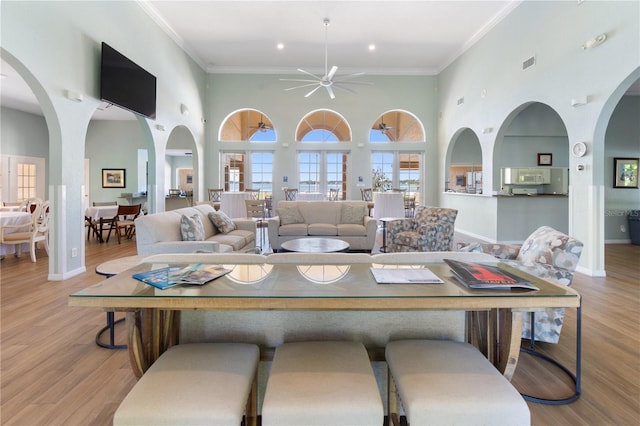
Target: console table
494, 318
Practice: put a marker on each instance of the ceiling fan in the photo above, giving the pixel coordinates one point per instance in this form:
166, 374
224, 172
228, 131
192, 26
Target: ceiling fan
382, 127
261, 126
329, 80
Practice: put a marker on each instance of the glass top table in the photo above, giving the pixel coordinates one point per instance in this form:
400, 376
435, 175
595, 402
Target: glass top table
343, 282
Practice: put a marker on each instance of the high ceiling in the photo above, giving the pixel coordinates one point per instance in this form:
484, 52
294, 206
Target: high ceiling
414, 37
411, 37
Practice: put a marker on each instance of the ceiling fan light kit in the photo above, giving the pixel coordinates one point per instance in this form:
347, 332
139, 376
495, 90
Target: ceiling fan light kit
329, 79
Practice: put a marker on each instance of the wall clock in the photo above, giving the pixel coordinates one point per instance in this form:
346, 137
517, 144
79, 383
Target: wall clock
579, 149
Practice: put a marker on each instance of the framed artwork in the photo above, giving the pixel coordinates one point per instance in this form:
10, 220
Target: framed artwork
545, 159
625, 172
113, 178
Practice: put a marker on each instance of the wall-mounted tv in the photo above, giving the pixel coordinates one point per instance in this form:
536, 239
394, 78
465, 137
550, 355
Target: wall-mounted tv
126, 84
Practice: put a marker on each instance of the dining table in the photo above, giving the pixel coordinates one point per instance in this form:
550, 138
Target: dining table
12, 218
97, 216
232, 204
306, 286
388, 204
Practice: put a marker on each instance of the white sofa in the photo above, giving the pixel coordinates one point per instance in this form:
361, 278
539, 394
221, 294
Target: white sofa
160, 233
344, 220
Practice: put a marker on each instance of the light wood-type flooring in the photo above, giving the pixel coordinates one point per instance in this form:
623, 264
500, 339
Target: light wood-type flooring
52, 372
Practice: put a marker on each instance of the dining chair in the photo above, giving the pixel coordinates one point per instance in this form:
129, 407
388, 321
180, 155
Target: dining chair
99, 224
253, 193
124, 221
290, 194
409, 205
367, 195
30, 233
268, 205
333, 194
215, 197
256, 210
30, 204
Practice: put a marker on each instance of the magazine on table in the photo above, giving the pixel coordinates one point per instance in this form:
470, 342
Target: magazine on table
483, 276
405, 276
171, 276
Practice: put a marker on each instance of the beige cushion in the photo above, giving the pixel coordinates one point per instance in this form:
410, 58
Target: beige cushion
191, 228
353, 213
201, 383
322, 383
444, 382
294, 229
322, 229
289, 215
222, 221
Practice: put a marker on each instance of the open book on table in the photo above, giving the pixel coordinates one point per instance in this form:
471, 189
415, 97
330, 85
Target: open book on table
483, 276
171, 276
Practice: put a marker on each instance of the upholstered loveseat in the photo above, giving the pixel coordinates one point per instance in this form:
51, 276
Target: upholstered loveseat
344, 220
161, 233
546, 253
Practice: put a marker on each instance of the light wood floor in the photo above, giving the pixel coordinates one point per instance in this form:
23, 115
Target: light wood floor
54, 374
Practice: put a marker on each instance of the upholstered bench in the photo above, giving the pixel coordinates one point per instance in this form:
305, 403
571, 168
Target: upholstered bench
199, 383
322, 383
444, 382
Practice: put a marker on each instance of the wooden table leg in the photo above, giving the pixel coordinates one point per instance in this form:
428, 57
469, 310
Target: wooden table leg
151, 332
496, 333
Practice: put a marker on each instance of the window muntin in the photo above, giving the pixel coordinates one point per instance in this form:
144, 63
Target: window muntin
26, 181
309, 171
320, 171
233, 166
310, 128
262, 172
393, 169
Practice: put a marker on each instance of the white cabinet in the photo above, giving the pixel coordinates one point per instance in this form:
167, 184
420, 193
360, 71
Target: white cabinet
526, 176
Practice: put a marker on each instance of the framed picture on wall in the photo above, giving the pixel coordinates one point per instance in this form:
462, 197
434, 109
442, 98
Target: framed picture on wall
625, 172
545, 159
113, 178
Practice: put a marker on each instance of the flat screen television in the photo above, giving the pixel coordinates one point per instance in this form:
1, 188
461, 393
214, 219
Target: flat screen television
126, 84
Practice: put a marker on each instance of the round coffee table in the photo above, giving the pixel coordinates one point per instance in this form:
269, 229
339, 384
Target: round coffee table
315, 245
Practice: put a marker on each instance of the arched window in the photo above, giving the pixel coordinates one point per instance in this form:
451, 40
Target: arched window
247, 125
326, 169
397, 126
323, 126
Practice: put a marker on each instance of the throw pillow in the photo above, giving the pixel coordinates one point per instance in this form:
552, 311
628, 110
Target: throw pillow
352, 213
289, 215
222, 221
191, 228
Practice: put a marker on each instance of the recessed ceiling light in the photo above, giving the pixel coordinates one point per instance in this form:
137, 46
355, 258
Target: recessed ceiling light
372, 47
280, 46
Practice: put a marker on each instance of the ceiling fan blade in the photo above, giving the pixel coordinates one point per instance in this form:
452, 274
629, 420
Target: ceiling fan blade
312, 92
301, 86
308, 73
349, 76
346, 89
330, 91
333, 71
304, 80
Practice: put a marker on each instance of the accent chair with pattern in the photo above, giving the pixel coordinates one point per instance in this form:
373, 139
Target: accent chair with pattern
546, 253
430, 229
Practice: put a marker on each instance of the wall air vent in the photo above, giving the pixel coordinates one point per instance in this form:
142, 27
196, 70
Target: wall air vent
529, 63
461, 101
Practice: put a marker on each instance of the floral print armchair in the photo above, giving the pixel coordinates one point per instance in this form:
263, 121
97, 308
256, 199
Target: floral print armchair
546, 253
430, 229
